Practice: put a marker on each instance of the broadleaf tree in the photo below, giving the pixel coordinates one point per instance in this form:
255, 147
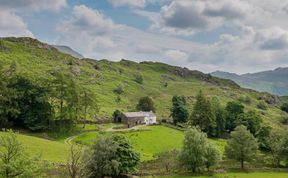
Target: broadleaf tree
242, 146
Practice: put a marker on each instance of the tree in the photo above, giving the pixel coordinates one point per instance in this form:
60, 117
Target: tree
88, 104
65, 99
278, 144
126, 155
14, 161
8, 96
285, 147
31, 103
242, 146
262, 137
275, 142
179, 112
203, 115
110, 155
252, 121
146, 104
192, 155
116, 114
234, 111
212, 156
284, 107
220, 117
75, 162
4, 100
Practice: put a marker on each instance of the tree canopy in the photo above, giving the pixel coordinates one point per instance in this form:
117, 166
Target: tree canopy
203, 115
110, 155
179, 113
242, 146
146, 104
197, 152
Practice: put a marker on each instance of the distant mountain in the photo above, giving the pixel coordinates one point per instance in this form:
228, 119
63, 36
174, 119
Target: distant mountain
68, 50
272, 81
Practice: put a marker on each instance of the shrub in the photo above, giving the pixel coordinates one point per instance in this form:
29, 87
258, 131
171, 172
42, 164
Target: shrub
168, 159
246, 99
119, 90
138, 78
118, 99
262, 105
166, 84
284, 120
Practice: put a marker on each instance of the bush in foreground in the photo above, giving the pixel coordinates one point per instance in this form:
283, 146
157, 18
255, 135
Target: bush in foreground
110, 155
14, 161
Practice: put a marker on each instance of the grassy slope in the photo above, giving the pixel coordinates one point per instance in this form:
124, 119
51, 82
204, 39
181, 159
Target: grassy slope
51, 151
152, 140
39, 61
240, 175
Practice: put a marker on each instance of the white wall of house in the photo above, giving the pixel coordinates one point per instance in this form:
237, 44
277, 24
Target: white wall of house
149, 120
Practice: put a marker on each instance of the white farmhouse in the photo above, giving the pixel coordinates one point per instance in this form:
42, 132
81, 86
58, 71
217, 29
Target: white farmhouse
137, 118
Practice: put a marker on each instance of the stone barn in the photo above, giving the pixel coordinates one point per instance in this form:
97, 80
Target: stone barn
137, 118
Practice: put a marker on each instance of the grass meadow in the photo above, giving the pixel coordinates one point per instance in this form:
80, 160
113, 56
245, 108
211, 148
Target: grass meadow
150, 140
52, 151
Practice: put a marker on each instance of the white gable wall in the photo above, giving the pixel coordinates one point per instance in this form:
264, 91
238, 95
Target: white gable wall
149, 120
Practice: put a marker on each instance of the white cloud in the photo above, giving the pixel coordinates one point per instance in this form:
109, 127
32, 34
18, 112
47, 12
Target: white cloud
131, 3
274, 38
176, 54
182, 14
97, 36
12, 25
186, 17
34, 5
262, 32
136, 3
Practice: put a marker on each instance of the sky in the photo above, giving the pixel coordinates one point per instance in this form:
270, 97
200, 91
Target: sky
237, 36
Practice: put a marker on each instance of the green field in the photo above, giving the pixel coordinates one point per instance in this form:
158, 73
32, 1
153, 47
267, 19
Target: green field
52, 151
238, 175
151, 140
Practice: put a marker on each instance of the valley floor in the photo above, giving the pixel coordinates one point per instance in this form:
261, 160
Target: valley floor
147, 140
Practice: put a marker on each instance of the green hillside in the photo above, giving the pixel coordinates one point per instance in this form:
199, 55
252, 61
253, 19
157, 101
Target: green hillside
49, 150
40, 61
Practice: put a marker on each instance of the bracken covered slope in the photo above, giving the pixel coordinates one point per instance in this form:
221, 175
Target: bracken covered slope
39, 61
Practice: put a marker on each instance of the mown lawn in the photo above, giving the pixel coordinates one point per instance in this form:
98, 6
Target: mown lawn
152, 140
52, 151
239, 175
